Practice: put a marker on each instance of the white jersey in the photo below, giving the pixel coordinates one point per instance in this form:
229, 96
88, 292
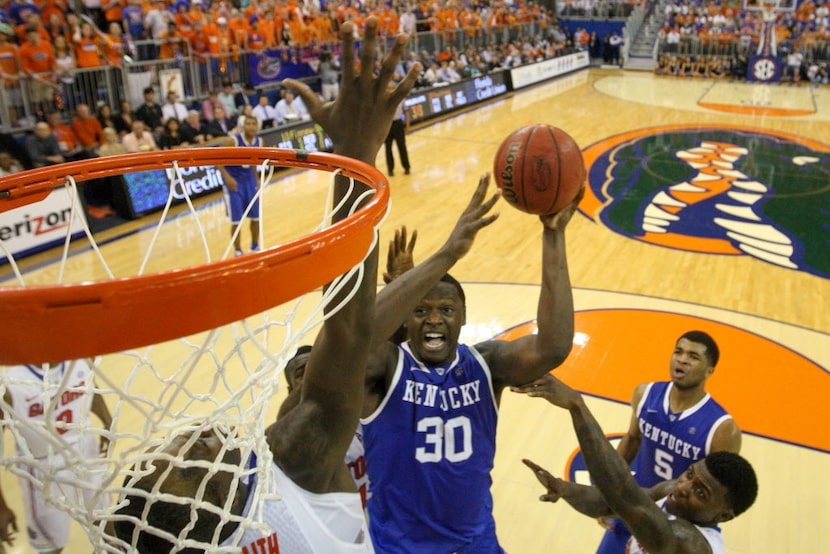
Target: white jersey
302, 522
61, 394
712, 535
356, 462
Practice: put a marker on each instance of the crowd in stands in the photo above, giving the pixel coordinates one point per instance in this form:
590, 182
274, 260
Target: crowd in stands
724, 36
44, 42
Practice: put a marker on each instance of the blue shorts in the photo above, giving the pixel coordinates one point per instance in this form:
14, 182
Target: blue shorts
237, 201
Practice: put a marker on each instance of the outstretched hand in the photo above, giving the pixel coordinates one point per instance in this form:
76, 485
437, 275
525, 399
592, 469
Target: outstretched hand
399, 259
359, 119
472, 219
551, 389
559, 220
555, 487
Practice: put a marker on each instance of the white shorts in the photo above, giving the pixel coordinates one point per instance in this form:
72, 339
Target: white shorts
47, 525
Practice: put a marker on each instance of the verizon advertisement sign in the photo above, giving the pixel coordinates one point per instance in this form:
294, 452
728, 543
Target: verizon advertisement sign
40, 225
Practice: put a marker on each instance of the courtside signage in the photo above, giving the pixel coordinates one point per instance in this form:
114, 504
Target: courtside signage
547, 69
31, 228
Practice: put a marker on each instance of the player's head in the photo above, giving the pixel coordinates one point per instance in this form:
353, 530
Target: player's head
250, 126
712, 351
192, 452
295, 368
715, 489
693, 360
435, 323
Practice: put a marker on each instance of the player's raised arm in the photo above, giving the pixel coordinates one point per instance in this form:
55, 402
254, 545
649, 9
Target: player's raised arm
527, 358
332, 394
399, 297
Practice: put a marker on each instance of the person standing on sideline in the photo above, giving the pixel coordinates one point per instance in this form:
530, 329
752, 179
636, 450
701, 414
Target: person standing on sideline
329, 75
678, 412
317, 508
429, 425
397, 133
679, 516
241, 186
48, 526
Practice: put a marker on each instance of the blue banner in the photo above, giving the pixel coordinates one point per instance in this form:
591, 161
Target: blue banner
272, 66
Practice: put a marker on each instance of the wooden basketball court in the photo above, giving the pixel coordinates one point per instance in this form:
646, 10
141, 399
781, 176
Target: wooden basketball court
635, 294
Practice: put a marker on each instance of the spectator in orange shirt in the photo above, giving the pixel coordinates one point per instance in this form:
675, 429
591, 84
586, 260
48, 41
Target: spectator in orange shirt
114, 45
239, 28
197, 12
295, 28
37, 59
113, 10
33, 19
227, 52
10, 72
68, 143
56, 7
200, 43
171, 42
87, 128
255, 38
87, 50
268, 28
182, 18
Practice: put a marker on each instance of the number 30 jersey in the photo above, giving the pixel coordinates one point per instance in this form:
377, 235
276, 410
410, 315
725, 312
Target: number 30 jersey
673, 441
429, 451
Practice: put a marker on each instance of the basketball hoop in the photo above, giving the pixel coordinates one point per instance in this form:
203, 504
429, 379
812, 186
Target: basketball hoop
234, 330
769, 9
63, 322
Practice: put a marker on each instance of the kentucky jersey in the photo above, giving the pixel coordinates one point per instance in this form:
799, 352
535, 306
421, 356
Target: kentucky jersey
673, 441
243, 172
429, 451
61, 394
712, 535
244, 197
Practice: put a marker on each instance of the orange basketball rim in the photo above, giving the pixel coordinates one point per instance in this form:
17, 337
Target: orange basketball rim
61, 322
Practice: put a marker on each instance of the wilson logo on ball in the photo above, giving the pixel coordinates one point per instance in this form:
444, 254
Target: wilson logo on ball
539, 169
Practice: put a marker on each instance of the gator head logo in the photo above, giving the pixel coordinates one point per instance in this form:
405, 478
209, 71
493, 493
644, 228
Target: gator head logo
719, 190
268, 67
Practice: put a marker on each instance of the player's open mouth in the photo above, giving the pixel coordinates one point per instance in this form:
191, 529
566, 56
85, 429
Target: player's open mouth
434, 341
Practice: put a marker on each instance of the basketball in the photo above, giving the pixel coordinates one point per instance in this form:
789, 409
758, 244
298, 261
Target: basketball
539, 169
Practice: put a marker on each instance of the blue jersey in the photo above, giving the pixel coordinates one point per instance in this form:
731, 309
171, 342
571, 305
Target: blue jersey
673, 441
243, 172
429, 451
246, 186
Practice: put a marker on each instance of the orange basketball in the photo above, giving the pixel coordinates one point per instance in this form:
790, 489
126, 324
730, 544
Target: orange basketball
539, 169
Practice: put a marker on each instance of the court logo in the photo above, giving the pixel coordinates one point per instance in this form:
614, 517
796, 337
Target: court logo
718, 190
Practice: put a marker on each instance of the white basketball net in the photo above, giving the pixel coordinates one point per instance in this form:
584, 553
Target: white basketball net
224, 378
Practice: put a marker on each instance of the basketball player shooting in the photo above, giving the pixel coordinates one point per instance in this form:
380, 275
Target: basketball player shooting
431, 403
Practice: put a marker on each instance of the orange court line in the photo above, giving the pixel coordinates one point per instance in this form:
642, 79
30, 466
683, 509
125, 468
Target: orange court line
754, 110
770, 390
